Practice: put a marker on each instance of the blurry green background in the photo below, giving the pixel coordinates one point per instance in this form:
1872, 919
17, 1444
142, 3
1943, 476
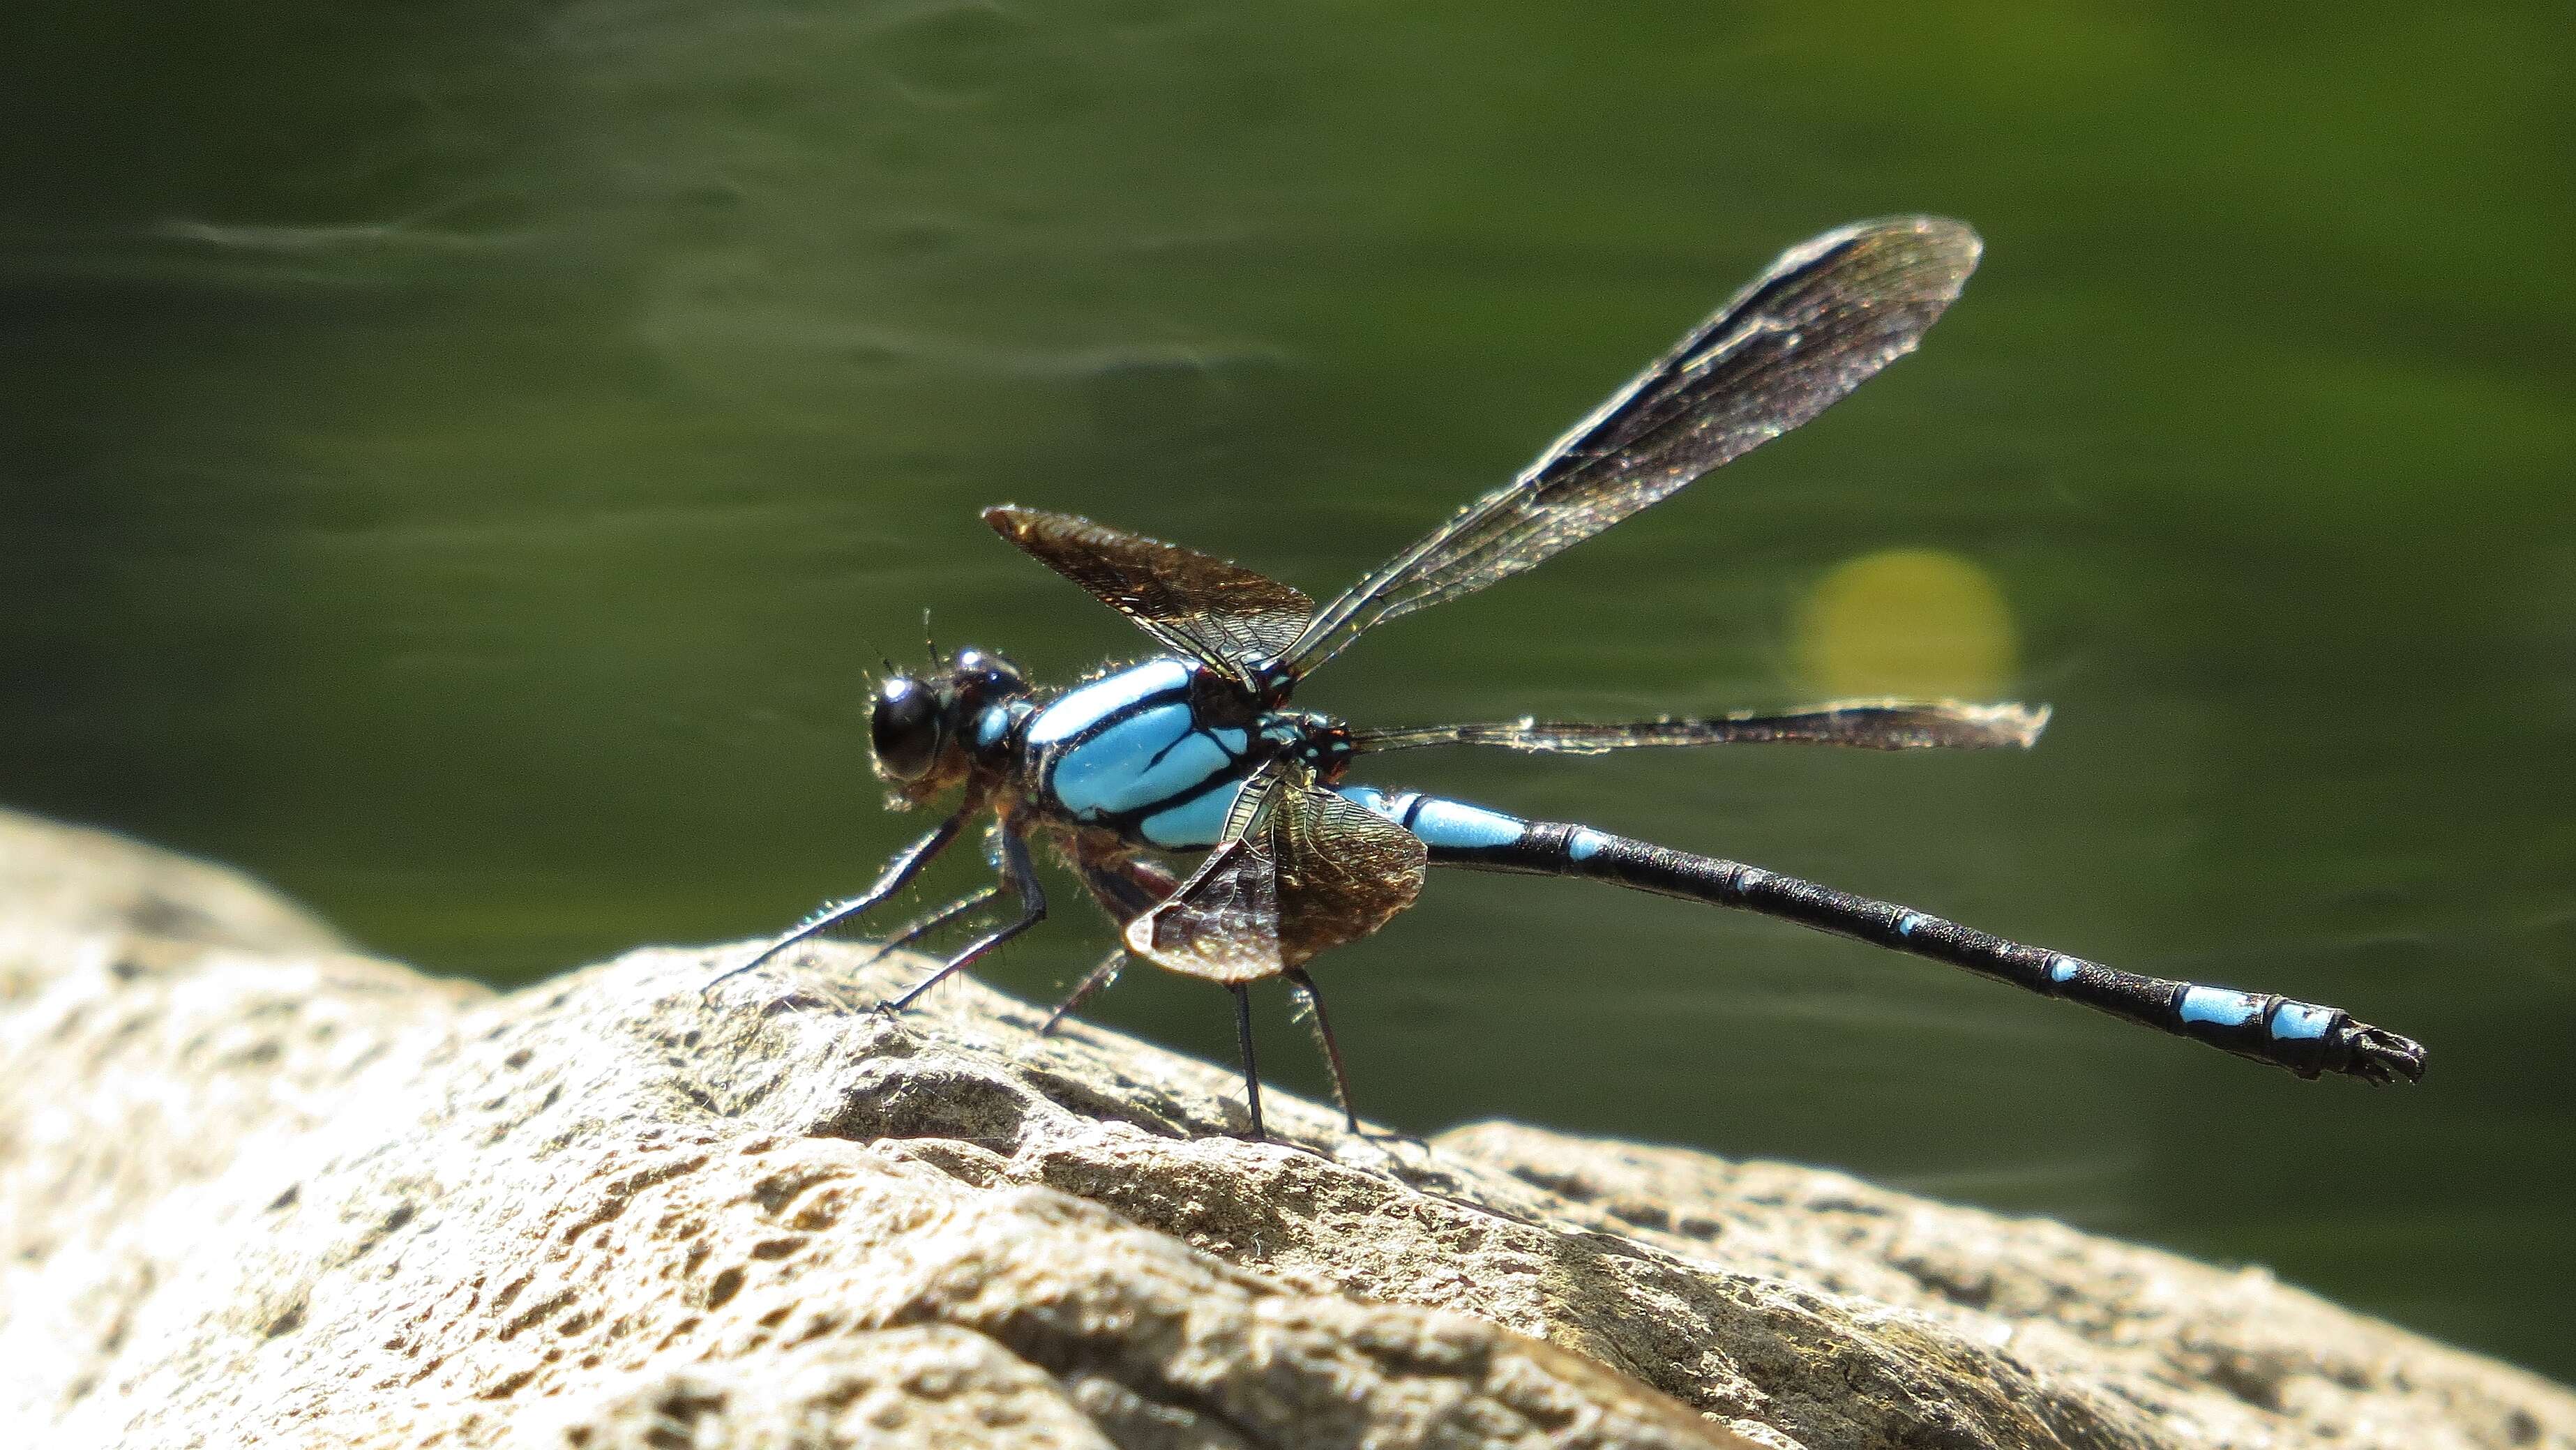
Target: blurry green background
452, 454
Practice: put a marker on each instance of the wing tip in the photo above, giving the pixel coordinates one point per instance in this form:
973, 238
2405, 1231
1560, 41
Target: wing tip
1960, 240
1951, 244
2010, 724
1947, 233
2006, 725
1917, 265
2021, 724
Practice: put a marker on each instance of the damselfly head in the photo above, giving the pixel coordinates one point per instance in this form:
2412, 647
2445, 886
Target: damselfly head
920, 727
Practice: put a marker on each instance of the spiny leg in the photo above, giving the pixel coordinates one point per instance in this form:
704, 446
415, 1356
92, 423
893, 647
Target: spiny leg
934, 921
1251, 1070
1298, 979
1100, 976
953, 910
1022, 874
1126, 888
907, 863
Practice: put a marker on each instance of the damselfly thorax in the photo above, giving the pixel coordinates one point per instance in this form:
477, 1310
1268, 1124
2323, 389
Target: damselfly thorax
1155, 753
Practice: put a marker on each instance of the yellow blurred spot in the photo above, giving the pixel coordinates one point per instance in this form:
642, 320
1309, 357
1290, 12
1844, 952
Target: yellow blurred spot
1906, 622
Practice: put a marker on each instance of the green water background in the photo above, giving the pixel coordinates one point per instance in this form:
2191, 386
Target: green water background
452, 454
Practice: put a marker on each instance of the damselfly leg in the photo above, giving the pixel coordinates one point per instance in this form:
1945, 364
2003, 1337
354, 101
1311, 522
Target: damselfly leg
1021, 874
1251, 1068
907, 863
1093, 981
962, 906
1314, 996
1010, 858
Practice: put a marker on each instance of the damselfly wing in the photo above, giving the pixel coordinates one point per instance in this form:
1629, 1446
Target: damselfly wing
1297, 871
1227, 617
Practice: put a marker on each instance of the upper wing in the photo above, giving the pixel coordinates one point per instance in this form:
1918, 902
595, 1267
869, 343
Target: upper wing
1825, 317
1298, 871
1869, 724
1226, 616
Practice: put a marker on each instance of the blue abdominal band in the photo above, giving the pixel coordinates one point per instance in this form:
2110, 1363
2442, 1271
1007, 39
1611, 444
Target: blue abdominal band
1459, 826
2219, 1007
2292, 1021
1442, 824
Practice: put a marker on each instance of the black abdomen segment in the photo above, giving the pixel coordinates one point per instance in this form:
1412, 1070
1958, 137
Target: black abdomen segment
2305, 1037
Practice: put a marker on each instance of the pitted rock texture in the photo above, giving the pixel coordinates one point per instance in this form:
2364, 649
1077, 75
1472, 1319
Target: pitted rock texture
257, 1190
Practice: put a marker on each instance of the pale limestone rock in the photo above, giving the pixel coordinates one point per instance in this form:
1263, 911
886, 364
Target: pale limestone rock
255, 1190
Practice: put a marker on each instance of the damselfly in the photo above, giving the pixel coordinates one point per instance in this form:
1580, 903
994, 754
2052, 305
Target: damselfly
1197, 751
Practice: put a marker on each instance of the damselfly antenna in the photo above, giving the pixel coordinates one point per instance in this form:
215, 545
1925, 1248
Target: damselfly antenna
883, 658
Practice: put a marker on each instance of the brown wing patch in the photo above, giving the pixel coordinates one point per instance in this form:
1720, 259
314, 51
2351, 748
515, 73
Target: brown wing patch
1225, 615
1300, 871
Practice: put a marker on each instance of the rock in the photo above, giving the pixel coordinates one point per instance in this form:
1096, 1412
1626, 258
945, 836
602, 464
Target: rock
76, 879
256, 1188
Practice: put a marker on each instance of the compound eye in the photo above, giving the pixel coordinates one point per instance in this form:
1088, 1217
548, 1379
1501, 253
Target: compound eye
904, 729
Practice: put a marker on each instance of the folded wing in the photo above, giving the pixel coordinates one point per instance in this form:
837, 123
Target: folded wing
1298, 871
1865, 724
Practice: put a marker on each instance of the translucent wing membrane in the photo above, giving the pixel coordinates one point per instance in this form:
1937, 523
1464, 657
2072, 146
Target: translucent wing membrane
1226, 616
1299, 871
1867, 724
1823, 319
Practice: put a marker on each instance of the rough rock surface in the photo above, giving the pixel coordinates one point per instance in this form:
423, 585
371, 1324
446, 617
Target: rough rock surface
257, 1190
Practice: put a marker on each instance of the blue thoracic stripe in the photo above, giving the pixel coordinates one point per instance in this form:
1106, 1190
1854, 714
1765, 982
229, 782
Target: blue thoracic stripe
1144, 758
1128, 753
1081, 709
1194, 823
